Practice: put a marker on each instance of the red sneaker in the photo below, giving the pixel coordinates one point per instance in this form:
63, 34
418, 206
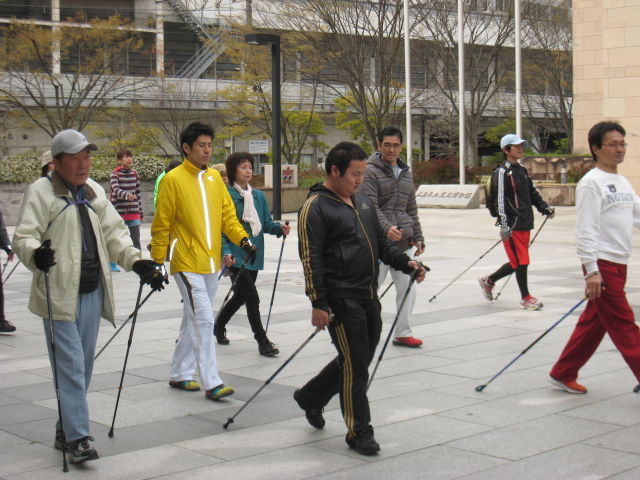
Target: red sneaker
410, 342
571, 386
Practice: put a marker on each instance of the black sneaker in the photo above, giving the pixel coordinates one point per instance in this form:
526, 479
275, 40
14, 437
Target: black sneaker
6, 326
314, 415
81, 450
221, 335
266, 348
364, 443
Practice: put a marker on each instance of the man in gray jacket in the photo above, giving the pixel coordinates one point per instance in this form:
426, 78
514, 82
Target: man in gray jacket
389, 184
69, 212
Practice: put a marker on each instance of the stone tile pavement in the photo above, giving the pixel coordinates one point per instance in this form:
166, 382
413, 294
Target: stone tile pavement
428, 418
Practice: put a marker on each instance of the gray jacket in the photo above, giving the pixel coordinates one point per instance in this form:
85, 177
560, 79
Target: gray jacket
395, 200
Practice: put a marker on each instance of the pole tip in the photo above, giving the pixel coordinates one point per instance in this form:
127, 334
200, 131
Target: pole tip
110, 434
226, 425
636, 389
431, 299
480, 388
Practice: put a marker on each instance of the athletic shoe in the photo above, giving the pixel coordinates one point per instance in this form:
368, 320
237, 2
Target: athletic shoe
6, 326
487, 287
410, 342
114, 267
266, 348
314, 415
219, 392
531, 303
188, 385
364, 443
81, 450
221, 335
571, 386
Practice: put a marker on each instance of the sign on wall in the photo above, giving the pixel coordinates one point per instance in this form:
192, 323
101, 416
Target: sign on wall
289, 174
448, 196
258, 146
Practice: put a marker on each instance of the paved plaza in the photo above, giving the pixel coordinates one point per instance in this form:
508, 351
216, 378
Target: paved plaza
430, 421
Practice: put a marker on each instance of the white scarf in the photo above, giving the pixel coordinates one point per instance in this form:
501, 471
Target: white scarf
250, 214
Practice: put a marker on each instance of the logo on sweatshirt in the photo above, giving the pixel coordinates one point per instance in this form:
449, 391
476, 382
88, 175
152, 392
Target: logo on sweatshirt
612, 188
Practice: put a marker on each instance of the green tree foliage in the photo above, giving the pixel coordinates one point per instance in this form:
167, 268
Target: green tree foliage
247, 105
60, 77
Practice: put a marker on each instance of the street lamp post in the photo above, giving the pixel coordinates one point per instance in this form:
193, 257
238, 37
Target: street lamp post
276, 113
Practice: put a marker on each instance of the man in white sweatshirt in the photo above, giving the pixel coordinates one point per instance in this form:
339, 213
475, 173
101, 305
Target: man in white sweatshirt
607, 210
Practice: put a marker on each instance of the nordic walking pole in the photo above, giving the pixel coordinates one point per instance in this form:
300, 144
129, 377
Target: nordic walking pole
530, 243
65, 467
395, 321
126, 357
480, 388
12, 270
233, 284
465, 270
273, 294
385, 291
122, 326
304, 344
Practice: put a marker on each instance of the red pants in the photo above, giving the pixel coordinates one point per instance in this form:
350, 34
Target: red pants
610, 314
520, 242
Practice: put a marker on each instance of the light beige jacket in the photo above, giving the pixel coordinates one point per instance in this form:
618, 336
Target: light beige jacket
46, 214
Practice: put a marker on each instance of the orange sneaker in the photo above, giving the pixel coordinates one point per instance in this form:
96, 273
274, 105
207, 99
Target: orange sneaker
571, 386
410, 342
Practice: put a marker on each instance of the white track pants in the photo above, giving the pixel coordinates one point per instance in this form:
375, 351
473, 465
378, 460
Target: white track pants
400, 283
195, 346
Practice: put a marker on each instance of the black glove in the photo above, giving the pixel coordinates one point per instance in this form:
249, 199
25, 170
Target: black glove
248, 248
44, 256
549, 212
152, 273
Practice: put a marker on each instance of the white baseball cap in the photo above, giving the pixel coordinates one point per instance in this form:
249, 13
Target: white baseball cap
47, 158
70, 141
511, 139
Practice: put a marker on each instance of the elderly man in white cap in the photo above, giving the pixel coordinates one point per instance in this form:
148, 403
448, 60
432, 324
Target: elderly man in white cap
67, 233
511, 197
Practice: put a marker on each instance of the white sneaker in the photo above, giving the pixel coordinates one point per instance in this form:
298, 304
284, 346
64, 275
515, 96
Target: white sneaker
487, 287
531, 303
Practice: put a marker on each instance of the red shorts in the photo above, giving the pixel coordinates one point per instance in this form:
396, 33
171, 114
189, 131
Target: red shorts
517, 248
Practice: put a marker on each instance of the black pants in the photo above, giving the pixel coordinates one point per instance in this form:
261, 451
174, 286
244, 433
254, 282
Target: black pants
244, 293
2, 317
134, 232
355, 332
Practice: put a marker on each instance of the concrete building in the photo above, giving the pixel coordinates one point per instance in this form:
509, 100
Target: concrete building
184, 48
606, 65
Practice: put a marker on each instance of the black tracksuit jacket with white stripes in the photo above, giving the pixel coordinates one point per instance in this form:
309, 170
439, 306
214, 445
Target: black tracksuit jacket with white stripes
514, 195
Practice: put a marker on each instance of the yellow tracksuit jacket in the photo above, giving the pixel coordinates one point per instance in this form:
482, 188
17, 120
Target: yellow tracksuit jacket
193, 209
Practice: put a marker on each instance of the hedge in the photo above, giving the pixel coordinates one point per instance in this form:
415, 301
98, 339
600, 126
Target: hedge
25, 167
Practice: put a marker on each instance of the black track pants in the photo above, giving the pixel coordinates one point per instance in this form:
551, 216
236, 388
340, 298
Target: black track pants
355, 332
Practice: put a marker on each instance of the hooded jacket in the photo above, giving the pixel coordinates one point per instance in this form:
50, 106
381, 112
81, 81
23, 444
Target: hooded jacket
513, 194
47, 214
194, 210
340, 245
394, 199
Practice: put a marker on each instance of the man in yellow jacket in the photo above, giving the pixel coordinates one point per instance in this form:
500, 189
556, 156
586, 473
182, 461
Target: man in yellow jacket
193, 210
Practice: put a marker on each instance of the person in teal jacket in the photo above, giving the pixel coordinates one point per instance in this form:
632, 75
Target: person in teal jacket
252, 209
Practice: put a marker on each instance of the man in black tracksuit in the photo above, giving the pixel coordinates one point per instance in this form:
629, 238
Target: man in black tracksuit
340, 242
513, 195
